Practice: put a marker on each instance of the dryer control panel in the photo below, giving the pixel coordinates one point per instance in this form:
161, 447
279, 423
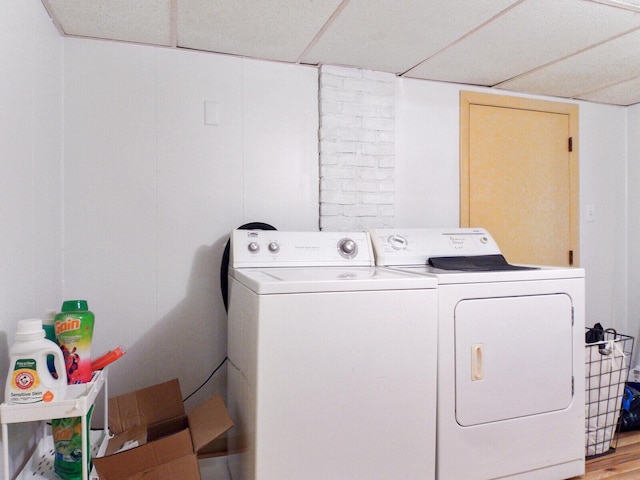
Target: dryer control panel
414, 246
273, 248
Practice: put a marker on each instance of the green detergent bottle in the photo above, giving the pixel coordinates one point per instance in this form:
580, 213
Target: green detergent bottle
74, 332
67, 443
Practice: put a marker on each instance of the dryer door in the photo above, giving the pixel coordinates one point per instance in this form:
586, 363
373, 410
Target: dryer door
513, 357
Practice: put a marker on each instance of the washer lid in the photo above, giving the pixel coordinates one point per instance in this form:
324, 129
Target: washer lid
328, 279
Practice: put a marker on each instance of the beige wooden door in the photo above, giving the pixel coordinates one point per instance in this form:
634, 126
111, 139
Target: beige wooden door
519, 176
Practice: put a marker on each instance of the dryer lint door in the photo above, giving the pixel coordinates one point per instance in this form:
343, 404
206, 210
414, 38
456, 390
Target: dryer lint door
513, 357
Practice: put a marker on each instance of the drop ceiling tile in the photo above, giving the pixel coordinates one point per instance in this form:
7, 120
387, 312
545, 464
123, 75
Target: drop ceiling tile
395, 35
534, 33
592, 69
272, 30
568, 48
624, 93
628, 4
140, 21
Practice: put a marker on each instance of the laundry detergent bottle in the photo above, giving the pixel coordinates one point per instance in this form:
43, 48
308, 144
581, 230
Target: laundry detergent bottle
50, 334
67, 446
29, 379
74, 332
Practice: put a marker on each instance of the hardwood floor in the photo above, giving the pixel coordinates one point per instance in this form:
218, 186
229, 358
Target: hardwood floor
623, 464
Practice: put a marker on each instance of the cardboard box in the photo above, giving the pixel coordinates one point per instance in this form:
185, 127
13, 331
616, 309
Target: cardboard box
168, 439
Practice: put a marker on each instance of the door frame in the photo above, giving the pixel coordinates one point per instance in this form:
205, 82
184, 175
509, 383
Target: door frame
467, 99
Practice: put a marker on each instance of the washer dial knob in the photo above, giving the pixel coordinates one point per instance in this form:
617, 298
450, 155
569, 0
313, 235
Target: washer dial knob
347, 248
274, 247
254, 247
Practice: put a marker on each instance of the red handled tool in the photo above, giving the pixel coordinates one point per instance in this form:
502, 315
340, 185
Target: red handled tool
107, 358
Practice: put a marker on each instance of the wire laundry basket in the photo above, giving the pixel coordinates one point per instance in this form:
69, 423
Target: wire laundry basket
606, 369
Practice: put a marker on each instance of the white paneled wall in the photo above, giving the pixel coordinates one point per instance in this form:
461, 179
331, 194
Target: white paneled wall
152, 192
604, 242
427, 154
357, 148
633, 222
31, 155
31, 179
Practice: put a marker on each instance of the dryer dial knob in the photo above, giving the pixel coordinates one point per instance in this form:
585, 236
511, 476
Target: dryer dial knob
254, 247
347, 248
398, 242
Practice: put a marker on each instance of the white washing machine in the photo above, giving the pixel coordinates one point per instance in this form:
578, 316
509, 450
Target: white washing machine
332, 371
510, 356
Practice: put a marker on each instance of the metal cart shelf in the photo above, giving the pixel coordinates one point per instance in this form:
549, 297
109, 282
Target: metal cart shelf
77, 403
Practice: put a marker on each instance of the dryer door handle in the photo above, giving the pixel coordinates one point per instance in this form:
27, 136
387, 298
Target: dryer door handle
477, 362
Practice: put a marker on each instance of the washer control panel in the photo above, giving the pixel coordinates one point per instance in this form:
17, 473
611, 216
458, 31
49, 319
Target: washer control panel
273, 248
415, 246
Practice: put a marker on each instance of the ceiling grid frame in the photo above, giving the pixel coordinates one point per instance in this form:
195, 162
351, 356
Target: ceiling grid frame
524, 46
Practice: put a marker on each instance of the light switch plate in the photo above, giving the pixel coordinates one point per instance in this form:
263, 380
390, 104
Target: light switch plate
591, 213
211, 113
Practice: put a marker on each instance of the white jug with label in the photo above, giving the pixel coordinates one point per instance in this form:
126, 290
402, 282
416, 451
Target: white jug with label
29, 379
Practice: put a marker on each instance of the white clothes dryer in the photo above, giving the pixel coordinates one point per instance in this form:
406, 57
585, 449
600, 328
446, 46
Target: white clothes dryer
332, 371
510, 356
